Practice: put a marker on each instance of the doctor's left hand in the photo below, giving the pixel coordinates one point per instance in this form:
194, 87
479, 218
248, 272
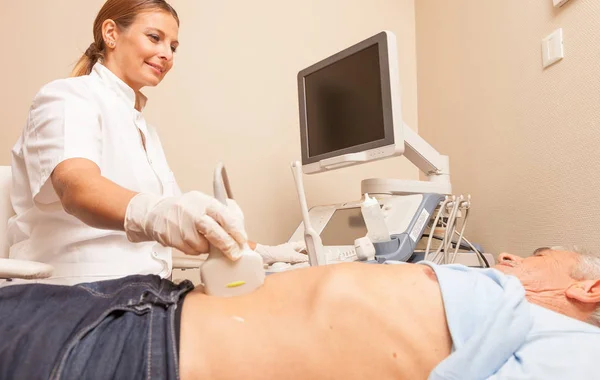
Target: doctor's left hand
288, 252
291, 252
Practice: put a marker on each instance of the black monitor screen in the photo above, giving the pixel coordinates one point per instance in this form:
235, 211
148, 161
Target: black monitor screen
344, 103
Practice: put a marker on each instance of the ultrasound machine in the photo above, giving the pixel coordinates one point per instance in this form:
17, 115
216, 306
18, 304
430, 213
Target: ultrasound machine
350, 113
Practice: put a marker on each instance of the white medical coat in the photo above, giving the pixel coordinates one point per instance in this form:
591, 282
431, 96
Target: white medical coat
92, 117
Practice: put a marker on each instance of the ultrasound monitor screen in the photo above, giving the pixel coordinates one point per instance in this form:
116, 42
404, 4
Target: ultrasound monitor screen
344, 105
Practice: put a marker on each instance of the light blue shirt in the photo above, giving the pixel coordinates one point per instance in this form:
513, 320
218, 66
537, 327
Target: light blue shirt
497, 334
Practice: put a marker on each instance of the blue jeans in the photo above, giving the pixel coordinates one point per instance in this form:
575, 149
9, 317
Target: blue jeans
117, 329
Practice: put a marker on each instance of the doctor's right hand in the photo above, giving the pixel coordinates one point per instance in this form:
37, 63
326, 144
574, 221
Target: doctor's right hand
188, 222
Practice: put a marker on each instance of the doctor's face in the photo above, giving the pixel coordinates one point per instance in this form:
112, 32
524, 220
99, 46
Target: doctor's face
143, 54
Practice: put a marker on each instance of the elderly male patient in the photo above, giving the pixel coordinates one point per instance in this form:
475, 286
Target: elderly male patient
532, 318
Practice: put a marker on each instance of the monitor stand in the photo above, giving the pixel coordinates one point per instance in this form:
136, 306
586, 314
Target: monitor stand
435, 166
439, 183
404, 187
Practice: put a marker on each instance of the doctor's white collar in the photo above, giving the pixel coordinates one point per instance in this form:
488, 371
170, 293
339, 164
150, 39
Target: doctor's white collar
121, 88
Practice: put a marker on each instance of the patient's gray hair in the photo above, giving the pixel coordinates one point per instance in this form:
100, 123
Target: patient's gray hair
588, 268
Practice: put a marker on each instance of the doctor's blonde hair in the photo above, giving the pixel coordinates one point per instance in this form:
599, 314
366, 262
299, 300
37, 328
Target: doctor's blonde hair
123, 13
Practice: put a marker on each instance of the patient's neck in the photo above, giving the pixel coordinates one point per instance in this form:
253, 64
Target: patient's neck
556, 300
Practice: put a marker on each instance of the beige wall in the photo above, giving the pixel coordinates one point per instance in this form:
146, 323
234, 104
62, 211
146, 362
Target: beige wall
232, 95
522, 140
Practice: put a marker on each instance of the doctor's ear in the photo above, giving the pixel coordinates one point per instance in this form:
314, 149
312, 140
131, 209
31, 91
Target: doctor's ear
587, 291
110, 32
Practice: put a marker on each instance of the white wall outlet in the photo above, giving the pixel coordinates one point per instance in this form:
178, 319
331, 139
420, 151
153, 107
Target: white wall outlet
559, 3
552, 48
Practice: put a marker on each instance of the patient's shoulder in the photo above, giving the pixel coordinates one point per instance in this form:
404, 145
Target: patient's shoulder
557, 347
550, 323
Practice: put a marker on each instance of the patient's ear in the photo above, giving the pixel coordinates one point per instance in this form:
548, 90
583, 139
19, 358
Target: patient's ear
587, 291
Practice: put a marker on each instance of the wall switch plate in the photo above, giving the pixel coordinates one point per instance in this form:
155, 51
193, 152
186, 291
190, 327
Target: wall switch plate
552, 48
559, 3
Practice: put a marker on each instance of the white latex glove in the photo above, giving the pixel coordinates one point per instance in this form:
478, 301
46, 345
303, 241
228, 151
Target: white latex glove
187, 222
287, 252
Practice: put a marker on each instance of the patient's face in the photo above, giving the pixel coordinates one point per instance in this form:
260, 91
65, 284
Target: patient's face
544, 270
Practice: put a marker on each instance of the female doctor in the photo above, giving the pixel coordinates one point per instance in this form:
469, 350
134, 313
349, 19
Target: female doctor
93, 193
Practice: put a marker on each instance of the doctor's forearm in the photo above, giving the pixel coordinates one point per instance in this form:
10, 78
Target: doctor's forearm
93, 199
102, 205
